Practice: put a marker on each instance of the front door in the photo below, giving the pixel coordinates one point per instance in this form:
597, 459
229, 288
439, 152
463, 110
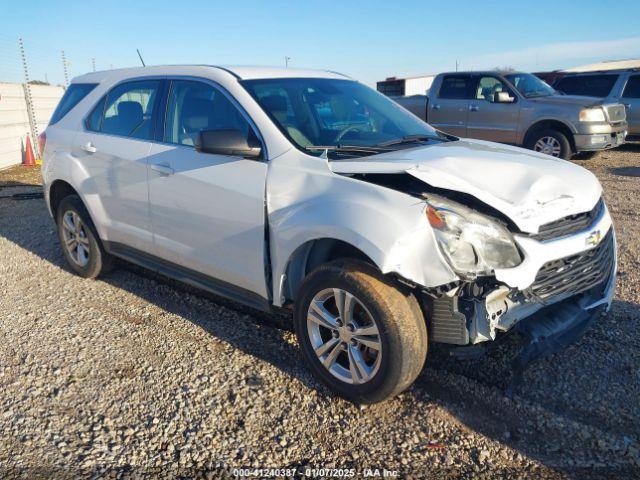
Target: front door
207, 211
113, 150
449, 108
488, 119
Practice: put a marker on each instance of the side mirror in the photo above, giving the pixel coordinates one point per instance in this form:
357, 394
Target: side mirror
502, 97
227, 142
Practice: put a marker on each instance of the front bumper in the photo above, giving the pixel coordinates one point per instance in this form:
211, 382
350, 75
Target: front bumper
600, 136
557, 288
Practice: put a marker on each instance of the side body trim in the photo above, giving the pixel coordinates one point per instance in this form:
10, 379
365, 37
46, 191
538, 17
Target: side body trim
188, 276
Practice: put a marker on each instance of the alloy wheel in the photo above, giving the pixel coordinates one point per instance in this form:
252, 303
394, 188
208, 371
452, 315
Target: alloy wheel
548, 145
344, 336
75, 238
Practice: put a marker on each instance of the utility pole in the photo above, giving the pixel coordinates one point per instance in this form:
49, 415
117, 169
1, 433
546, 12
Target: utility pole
456, 65
286, 62
93, 64
33, 125
66, 72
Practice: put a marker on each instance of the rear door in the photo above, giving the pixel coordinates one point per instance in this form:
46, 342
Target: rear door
208, 210
113, 149
449, 108
631, 100
489, 120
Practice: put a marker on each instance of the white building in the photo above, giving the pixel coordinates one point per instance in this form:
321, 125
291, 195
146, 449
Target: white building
402, 87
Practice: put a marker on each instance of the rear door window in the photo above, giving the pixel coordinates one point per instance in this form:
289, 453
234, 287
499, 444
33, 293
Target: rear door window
632, 90
127, 110
73, 95
587, 85
456, 86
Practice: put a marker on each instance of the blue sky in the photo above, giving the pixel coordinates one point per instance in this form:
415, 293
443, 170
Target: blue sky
367, 40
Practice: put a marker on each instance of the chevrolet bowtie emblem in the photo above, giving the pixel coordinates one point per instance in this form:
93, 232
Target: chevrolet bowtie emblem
594, 238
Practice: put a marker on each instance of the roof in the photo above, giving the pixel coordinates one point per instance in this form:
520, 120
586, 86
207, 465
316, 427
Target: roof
240, 72
608, 65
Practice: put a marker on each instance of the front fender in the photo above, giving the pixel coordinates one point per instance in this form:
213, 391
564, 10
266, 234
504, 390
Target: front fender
390, 227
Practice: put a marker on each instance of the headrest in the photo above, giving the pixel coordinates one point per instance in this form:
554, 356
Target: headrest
130, 110
197, 113
275, 103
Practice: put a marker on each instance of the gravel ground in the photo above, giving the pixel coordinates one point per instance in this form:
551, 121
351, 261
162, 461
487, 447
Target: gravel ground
132, 376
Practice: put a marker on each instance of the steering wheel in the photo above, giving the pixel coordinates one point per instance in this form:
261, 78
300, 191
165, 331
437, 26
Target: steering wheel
352, 128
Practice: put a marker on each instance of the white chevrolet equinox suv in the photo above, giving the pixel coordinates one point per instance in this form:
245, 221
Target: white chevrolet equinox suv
282, 187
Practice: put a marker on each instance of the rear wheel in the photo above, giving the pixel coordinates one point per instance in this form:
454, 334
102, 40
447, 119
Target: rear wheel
360, 335
79, 240
550, 142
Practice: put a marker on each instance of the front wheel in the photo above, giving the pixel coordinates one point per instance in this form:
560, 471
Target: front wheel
361, 335
550, 142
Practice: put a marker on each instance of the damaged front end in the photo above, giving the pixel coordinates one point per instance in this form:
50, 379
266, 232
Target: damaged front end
566, 295
527, 239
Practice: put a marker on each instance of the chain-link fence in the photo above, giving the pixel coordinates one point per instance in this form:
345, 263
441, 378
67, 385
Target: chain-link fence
33, 77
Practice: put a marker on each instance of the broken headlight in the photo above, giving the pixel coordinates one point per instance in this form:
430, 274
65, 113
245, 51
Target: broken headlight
474, 244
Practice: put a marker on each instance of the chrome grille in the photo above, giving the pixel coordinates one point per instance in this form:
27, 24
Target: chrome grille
616, 113
576, 273
569, 225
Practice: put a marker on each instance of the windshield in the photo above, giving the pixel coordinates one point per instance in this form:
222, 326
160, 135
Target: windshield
529, 85
319, 113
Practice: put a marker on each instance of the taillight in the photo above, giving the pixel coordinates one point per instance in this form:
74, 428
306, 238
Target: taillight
42, 140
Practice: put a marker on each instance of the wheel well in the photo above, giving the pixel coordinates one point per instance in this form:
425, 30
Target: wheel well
59, 190
313, 254
552, 125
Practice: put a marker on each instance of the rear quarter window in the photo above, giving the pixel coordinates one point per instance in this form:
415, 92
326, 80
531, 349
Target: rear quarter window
587, 85
73, 95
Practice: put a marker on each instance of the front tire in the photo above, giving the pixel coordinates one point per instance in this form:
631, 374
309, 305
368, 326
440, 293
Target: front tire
550, 142
360, 334
79, 240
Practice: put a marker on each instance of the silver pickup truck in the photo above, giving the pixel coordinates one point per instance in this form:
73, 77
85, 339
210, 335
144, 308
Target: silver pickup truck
519, 109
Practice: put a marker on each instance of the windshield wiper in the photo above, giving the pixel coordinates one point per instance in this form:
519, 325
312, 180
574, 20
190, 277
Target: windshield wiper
349, 148
408, 139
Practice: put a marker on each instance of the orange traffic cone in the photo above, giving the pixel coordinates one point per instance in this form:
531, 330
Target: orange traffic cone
29, 160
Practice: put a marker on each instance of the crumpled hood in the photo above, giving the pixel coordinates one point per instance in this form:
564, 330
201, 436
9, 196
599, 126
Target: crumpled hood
528, 187
569, 100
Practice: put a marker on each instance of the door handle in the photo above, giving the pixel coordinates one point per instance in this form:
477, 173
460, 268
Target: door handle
89, 148
474, 108
435, 107
162, 169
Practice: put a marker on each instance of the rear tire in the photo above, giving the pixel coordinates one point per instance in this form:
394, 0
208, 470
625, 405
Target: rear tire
551, 142
79, 239
378, 349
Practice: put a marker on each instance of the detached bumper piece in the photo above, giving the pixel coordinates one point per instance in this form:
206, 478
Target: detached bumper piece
553, 329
